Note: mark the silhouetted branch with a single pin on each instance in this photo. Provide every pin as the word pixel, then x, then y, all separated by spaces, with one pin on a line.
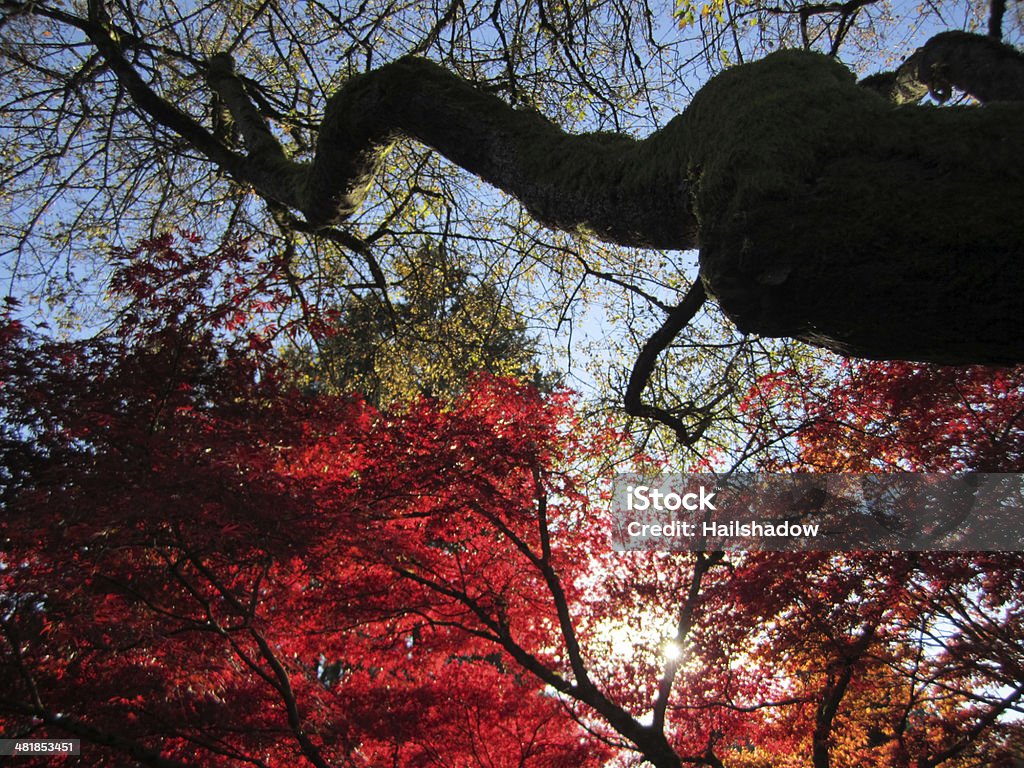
pixel 677 319
pixel 979 65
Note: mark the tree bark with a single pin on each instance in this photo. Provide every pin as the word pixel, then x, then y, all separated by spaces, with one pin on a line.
pixel 828 215
pixel 822 211
pixel 611 186
pixel 982 66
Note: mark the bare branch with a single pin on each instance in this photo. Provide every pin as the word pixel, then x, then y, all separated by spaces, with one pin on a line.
pixel 677 319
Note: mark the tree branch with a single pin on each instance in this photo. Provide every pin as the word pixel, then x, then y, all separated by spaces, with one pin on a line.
pixel 833 695
pixel 677 319
pixel 997 9
pixel 684 625
pixel 970 736
pixel 99 31
pixel 88 733
pixel 611 186
pixel 979 65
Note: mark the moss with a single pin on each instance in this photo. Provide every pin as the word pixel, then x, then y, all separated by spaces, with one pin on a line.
pixel 821 211
pixel 827 214
pixel 761 129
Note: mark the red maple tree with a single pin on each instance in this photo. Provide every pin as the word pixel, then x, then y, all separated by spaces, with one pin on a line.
pixel 885 416
pixel 203 566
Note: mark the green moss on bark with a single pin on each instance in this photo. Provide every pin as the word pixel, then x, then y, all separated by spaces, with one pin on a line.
pixel 829 215
pixel 822 212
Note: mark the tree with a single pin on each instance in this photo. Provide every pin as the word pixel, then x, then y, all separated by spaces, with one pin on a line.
pixel 446 327
pixel 782 195
pixel 214 581
pixel 203 567
pixel 726 176
pixel 892 417
pixel 900 417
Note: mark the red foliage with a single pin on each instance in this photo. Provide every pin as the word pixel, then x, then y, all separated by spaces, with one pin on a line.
pixel 922 418
pixel 883 416
pixel 905 642
pixel 203 567
pixel 209 567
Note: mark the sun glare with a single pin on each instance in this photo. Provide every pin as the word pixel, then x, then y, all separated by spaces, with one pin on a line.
pixel 673 651
pixel 616 640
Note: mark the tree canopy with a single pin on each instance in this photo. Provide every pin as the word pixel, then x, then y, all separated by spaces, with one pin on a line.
pixel 280 122
pixel 279 486
pixel 204 566
pixel 445 328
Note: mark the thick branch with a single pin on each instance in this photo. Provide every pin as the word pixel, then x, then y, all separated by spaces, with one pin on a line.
pixel 983 67
pixel 833 695
pixel 881 232
pixel 99 31
pixel 250 121
pixel 266 167
pixel 997 9
pixel 824 214
pixel 614 187
pixel 979 65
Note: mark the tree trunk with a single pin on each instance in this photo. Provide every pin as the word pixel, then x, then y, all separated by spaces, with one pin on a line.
pixel 828 215
pixel 822 211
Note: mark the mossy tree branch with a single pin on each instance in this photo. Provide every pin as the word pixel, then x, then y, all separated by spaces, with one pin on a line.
pixel 822 212
pixel 612 186
pixel 981 66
